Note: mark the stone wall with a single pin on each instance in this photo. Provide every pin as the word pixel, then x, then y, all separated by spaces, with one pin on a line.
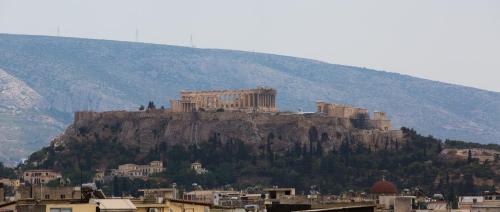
pixel 360 115
pixel 381 121
pixel 341 111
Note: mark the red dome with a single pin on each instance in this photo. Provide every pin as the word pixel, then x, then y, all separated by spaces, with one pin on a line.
pixel 383 187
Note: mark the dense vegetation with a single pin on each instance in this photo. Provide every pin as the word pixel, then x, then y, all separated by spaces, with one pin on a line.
pixel 415 164
pixel 467 145
pixel 6 172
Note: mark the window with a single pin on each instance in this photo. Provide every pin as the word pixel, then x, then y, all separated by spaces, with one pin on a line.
pixel 63 196
pixel 272 195
pixel 61 210
pixel 47 196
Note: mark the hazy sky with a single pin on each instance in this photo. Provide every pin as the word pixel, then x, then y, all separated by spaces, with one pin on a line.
pixel 452 41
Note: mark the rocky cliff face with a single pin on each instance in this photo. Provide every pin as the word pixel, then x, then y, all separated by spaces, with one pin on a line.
pixel 145 130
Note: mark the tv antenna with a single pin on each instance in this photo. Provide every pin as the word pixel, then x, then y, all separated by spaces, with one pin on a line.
pixel 192 42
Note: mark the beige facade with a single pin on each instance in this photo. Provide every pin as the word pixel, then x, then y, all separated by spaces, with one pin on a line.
pixel 381 121
pixel 99 176
pixel 171 205
pixel 214 197
pixel 278 193
pixel 259 99
pixel 403 204
pixel 10 182
pixel 198 168
pixel 133 170
pixel 114 205
pixel 341 111
pixel 482 155
pixel 154 193
pixel 74 205
pixel 40 176
pixel 49 193
pixel 66 207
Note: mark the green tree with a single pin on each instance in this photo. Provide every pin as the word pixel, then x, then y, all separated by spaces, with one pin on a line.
pixel 151 105
pixel 6 172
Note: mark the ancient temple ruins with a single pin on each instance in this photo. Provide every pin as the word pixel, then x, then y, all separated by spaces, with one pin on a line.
pixel 260 99
pixel 263 99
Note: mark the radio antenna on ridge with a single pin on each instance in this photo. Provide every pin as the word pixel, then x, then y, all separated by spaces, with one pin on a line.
pixel 192 42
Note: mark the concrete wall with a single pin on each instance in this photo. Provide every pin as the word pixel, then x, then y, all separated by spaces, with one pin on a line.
pixel 54 193
pixel 403 204
pixel 2 193
pixel 87 207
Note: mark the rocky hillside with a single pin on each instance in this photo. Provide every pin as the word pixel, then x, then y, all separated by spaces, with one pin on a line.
pixel 144 132
pixel 246 149
pixel 48 78
pixel 25 121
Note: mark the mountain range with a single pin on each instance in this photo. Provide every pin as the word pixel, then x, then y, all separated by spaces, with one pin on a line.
pixel 43 80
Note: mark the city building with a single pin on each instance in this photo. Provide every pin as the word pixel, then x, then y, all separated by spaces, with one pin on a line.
pixel 490 201
pixel 41 192
pixel 278 193
pixel 437 206
pixel 113 205
pixel 10 182
pixel 99 175
pixel 41 176
pixel 70 207
pixel 170 205
pixel 137 171
pixel 155 193
pixel 466 202
pixel 214 197
pixel 76 205
pixel 198 168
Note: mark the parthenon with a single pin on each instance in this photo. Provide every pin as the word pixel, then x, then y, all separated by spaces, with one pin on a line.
pixel 260 99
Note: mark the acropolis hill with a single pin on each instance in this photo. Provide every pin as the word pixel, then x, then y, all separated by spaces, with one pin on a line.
pixel 249 115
